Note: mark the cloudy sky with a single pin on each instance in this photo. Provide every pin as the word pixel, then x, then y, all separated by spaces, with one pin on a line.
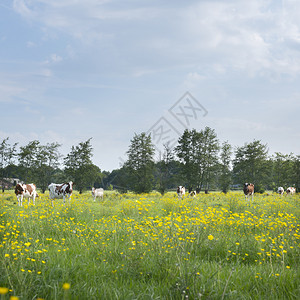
pixel 73 69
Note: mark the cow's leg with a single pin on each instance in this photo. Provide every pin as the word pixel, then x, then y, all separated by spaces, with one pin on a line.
pixel 33 199
pixel 64 199
pixel 21 200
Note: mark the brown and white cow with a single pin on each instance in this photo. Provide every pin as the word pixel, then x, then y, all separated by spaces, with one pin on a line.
pixel 290 190
pixel 248 190
pixel 180 191
pixel 58 191
pixel 26 191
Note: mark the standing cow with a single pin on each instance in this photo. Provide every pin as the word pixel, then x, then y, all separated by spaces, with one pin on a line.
pixel 248 190
pixel 27 191
pixel 58 191
pixel 97 193
pixel 180 191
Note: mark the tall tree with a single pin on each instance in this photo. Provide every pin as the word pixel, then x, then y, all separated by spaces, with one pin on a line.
pixel 140 163
pixel 28 160
pixel 184 152
pixel 47 161
pixel 198 153
pixel 165 169
pixel 296 173
pixel 7 155
pixel 79 166
pixel 251 165
pixel 283 165
pixel 225 172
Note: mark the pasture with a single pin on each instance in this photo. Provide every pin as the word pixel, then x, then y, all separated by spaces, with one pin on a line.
pixel 150 246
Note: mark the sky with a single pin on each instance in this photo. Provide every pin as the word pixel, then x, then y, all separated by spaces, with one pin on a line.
pixel 71 70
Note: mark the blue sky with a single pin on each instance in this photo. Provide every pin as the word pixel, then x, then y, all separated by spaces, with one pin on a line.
pixel 71 70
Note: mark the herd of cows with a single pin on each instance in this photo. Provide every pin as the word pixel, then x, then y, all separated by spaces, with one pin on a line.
pixel 248 191
pixel 64 190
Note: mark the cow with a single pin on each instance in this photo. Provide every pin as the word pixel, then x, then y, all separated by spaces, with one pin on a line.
pixel 290 190
pixel 280 190
pixel 193 193
pixel 248 190
pixel 180 191
pixel 58 191
pixel 27 191
pixel 97 193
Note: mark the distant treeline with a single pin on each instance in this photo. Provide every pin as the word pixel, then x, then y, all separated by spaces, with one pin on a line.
pixel 199 161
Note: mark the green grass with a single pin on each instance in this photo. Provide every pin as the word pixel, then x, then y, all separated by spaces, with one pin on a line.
pixel 131 246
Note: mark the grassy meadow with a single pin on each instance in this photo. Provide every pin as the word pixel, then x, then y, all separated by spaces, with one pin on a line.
pixel 150 246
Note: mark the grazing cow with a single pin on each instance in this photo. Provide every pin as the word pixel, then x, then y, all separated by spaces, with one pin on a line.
pixel 58 191
pixel 193 193
pixel 248 190
pixel 27 191
pixel 97 193
pixel 180 191
pixel 280 190
pixel 290 190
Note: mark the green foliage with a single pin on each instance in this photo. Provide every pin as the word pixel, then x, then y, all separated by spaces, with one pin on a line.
pixel 284 167
pixel 198 153
pixel 79 167
pixel 140 163
pixel 251 163
pixel 225 172
pixel 166 171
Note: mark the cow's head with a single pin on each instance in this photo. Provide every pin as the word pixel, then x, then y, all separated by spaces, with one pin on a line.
pixel 19 189
pixel 69 188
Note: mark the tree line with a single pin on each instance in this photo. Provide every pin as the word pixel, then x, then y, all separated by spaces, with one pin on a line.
pixel 199 162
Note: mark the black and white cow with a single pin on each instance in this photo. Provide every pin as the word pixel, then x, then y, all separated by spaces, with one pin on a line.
pixel 58 191
pixel 180 191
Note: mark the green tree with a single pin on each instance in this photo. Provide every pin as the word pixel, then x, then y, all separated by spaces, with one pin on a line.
pixel 184 152
pixel 7 155
pixel 165 170
pixel 283 165
pixel 198 153
pixel 225 172
pixel 140 163
pixel 251 165
pixel 28 157
pixel 46 164
pixel 296 173
pixel 79 167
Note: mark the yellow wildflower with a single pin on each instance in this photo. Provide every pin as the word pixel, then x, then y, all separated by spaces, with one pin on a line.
pixel 3 290
pixel 66 286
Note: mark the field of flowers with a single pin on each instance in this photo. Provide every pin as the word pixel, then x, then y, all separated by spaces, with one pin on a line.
pixel 150 246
